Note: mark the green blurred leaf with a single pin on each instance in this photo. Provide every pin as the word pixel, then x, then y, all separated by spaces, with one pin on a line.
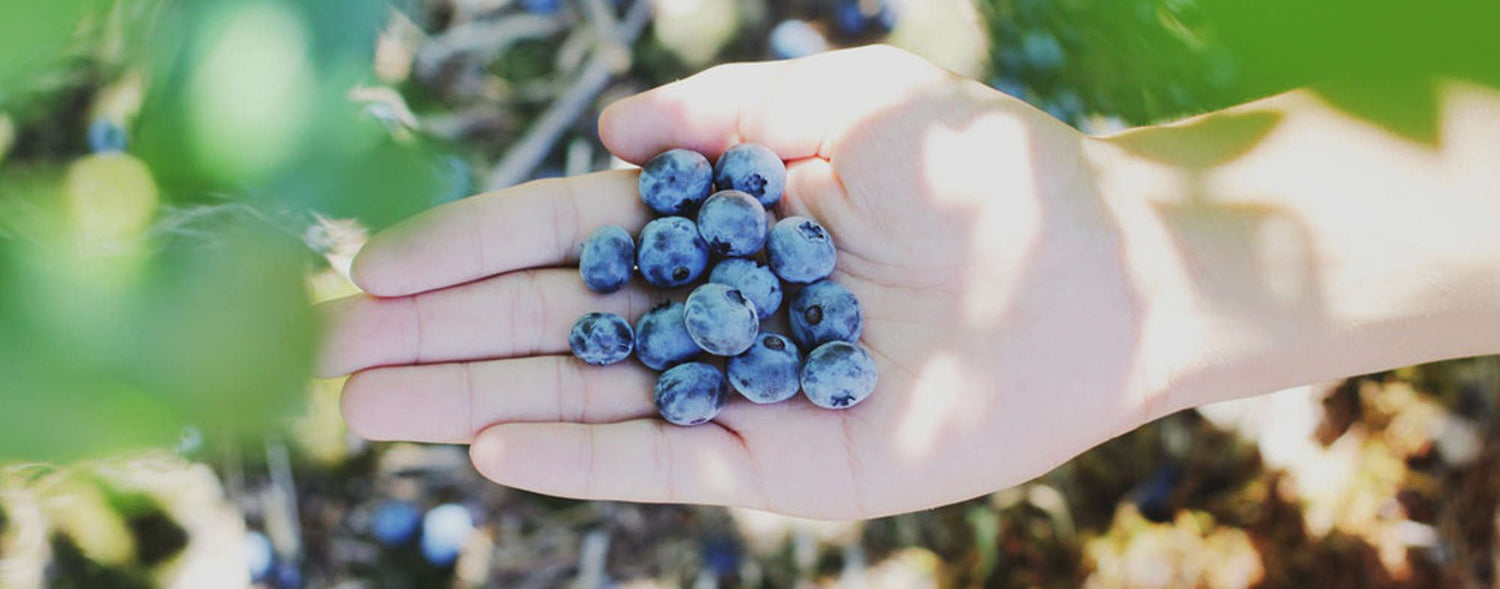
pixel 227 331
pixel 106 356
pixel 35 36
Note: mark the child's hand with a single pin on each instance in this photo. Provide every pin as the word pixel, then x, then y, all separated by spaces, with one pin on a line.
pixel 995 290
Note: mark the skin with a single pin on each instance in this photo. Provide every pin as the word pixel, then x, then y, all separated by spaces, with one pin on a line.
pixel 1029 292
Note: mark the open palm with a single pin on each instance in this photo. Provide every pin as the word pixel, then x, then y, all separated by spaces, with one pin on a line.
pixel 996 298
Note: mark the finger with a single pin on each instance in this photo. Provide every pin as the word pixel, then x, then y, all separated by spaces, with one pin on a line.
pixel 639 460
pixel 794 107
pixel 516 314
pixel 450 403
pixel 811 187
pixel 535 224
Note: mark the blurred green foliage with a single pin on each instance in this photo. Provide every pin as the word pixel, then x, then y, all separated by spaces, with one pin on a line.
pixel 1146 61
pixel 146 291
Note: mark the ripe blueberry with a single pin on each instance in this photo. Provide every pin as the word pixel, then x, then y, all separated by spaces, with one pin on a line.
pixel 754 169
pixel 800 250
pixel 106 136
pixel 768 372
pixel 720 319
pixel 675 182
pixel 691 393
pixel 671 253
pixel 733 223
pixel 753 279
pixel 823 312
pixel 542 6
pixel 838 375
pixel 259 555
pixel 607 259
pixel 661 338
pixel 395 522
pixel 601 338
pixel 445 532
pixel 794 38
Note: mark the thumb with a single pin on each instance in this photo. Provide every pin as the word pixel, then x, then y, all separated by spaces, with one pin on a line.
pixel 796 107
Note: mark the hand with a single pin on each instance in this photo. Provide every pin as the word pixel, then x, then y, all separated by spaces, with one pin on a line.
pixel 997 304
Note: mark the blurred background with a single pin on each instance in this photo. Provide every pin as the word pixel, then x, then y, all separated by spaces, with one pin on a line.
pixel 181 179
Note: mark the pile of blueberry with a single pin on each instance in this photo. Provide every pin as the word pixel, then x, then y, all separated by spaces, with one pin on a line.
pixel 724 236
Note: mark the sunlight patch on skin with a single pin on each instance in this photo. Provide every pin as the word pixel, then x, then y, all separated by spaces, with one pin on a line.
pixel 1155 266
pixel 713 467
pixel 1285 261
pixel 1001 233
pixel 1317 152
pixel 940 386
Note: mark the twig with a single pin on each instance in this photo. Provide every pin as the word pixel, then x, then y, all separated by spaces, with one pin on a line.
pixel 533 147
pixel 483 37
pixel 282 503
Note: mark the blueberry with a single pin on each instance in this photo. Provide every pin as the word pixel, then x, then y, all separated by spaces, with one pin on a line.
pixel 1154 496
pixel 800 250
pixel 671 253
pixel 824 312
pixel 259 555
pixel 661 338
pixel 733 223
pixel 288 575
pixel 753 279
pixel 541 6
pixel 754 169
pixel 855 17
pixel 690 394
pixel 849 18
pixel 1042 51
pixel 794 38
pixel 720 319
pixel 601 338
pixel 768 371
pixel 445 531
pixel 838 375
pixel 675 182
pixel 395 522
pixel 105 136
pixel 607 259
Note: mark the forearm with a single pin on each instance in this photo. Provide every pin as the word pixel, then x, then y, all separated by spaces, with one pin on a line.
pixel 1284 242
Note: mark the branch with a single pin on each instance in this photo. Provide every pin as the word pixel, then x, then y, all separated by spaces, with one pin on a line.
pixel 532 148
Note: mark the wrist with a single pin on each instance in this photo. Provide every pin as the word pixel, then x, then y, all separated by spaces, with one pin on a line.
pixel 1284 242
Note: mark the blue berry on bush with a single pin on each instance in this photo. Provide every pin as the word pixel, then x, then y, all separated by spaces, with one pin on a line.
pixel 753 279
pixel 259 555
pixel 395 522
pixel 838 375
pixel 661 338
pixel 445 530
pixel 794 38
pixel 721 319
pixel 106 136
pixel 823 312
pixel 601 338
pixel 608 258
pixel 675 182
pixel 800 250
pixel 542 6
pixel 691 393
pixel 754 169
pixel 768 372
pixel 671 253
